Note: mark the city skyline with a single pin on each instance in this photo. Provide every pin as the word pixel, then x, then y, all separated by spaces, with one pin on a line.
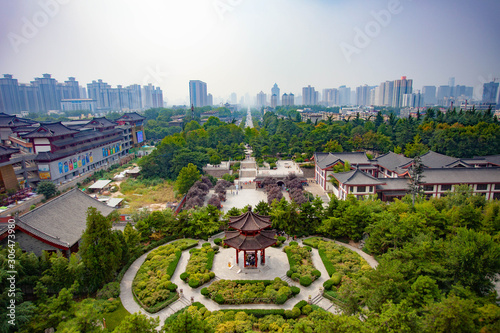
pixel 221 42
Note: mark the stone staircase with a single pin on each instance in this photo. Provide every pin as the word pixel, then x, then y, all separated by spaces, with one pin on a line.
pixel 316 299
pixel 288 280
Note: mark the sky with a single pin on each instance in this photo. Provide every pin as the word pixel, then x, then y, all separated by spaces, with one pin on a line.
pixel 245 46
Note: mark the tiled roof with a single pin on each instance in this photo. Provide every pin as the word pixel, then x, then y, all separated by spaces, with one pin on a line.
pixel 63 218
pixel 249 221
pixel 131 116
pixel 325 160
pixel 392 161
pixel 13 121
pixel 435 160
pixel 394 184
pixel 8 151
pixel 101 122
pixel 48 130
pixel 241 242
pixel 357 177
pixel 461 176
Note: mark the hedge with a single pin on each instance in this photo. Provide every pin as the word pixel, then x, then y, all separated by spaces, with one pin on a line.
pixel 305 272
pixel 328 264
pixel 259 313
pixel 199 266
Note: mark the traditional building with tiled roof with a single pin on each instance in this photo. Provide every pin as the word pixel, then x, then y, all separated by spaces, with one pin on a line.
pixel 56 225
pixel 250 233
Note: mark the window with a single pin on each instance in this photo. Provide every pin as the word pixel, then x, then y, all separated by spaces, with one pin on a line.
pixel 445 187
pixel 371 189
pixel 496 196
pixel 497 186
pixel 361 188
pixel 481 187
pixel 428 187
pixel 389 173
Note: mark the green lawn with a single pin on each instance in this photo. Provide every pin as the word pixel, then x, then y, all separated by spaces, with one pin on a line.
pixel 114 318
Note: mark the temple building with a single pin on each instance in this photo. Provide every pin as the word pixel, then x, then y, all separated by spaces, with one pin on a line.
pixel 250 233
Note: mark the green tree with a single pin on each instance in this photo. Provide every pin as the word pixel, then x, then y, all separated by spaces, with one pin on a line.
pixel 136 323
pixel 452 314
pixel 47 188
pixel 187 322
pixel 100 250
pixel 215 159
pixel 187 177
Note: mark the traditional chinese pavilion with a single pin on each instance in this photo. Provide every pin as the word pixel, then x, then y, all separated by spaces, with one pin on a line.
pixel 250 233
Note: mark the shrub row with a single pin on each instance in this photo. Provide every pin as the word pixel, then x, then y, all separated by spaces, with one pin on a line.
pixel 152 285
pixel 199 266
pixel 305 272
pixel 248 291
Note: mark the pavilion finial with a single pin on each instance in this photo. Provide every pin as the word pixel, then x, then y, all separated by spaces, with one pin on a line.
pixel 249 208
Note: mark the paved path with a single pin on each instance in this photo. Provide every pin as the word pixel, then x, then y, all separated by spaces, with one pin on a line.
pixel 277 265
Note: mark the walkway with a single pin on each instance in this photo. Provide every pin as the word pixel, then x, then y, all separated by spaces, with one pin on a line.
pixel 277 265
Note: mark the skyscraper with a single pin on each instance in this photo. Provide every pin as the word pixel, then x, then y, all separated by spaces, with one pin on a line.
pixel 47 93
pixel 261 99
pixel 309 96
pixel 98 91
pixel 344 95
pixel 330 97
pixel 443 95
pixel 401 87
pixel 198 93
pixel 9 95
pixel 288 99
pixel 429 93
pixel 490 91
pixel 233 99
pixel 210 99
pixel 275 91
pixel 363 95
pixel 274 100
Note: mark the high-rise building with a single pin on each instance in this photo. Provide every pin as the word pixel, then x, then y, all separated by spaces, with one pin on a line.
pixel 309 96
pixel 363 95
pixel 344 95
pixel 429 93
pixel 261 99
pixel 451 83
pixel 158 98
pixel 413 100
pixel 444 95
pixel 210 100
pixel 147 96
pixel 72 90
pixel 288 99
pixel 99 92
pixel 135 97
pixel 274 101
pixel 388 93
pixel 275 90
pixel 198 93
pixel 330 97
pixel 233 98
pixel 9 95
pixel 28 98
pixel 401 87
pixel 47 93
pixel 490 91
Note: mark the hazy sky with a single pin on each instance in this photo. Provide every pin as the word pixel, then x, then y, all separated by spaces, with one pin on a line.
pixel 245 46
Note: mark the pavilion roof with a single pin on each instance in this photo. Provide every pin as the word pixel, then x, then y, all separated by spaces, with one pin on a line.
pixel 259 241
pixel 249 221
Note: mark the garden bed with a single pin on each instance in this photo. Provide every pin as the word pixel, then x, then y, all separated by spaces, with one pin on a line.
pixel 301 266
pixel 274 291
pixel 339 261
pixel 152 287
pixel 199 266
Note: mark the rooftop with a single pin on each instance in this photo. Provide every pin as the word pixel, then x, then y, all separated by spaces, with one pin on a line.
pixel 357 177
pixel 249 221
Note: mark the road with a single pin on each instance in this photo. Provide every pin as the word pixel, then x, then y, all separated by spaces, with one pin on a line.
pixel 249 122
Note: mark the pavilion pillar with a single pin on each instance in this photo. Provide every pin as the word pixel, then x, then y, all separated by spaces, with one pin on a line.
pixel 263 256
pixel 237 257
pixel 256 261
pixel 244 258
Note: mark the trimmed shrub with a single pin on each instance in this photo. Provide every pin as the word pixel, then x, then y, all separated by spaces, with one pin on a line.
pixel 211 275
pixel 184 276
pixel 281 298
pixel 292 314
pixel 219 299
pixel 293 243
pixel 336 278
pixel 216 248
pixel 282 239
pixel 206 245
pixel 295 276
pixel 305 281
pixel 316 273
pixel 172 287
pixel 300 304
pixel 289 273
pixel 217 241
pixel 306 309
pixel 328 284
pixel 295 290
pixel 194 283
pixel 205 292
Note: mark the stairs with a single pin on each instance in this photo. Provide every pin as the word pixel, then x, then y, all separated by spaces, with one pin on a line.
pixel 317 299
pixel 288 280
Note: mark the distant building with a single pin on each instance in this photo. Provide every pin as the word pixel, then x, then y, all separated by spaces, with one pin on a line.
pixel 9 95
pixel 401 87
pixel 275 90
pixel 444 95
pixel 490 92
pixel 274 101
pixel 330 97
pixel 261 99
pixel 429 93
pixel 198 93
pixel 309 96
pixel 210 99
pixel 233 98
pixel 84 104
pixel 414 100
pixel 363 95
pixel 344 95
pixel 288 99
